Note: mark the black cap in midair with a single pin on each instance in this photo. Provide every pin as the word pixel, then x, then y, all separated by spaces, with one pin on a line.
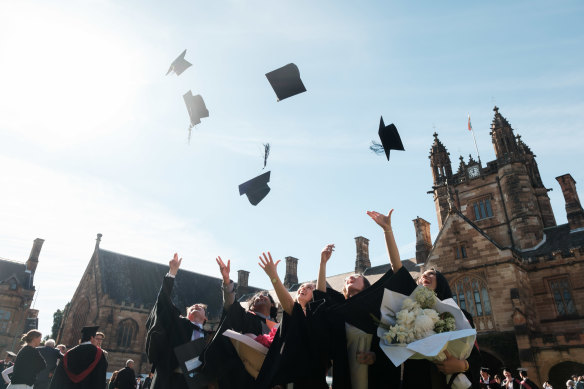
pixel 389 138
pixel 179 65
pixel 256 188
pixel 196 107
pixel 286 81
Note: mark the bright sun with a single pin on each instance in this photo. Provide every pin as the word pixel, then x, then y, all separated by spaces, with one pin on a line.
pixel 64 79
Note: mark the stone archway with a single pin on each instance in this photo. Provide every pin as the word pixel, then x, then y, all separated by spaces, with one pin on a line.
pixel 492 362
pixel 561 372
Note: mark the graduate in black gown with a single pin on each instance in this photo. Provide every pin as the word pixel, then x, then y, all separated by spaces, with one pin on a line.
pixel 220 359
pixel 167 329
pixel 82 367
pixel 295 354
pixel 423 373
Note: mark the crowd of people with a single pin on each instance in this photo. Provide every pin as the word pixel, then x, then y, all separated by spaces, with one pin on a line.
pixel 322 333
pixel 48 366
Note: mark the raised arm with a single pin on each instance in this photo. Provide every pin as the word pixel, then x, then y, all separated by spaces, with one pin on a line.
pixel 268 265
pixel 325 255
pixel 228 286
pixel 384 221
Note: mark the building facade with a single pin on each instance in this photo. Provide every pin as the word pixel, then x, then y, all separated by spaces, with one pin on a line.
pixel 117 292
pixel 17 292
pixel 508 263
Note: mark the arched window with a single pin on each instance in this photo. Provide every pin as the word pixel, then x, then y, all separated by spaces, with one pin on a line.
pixel 471 294
pixel 127 330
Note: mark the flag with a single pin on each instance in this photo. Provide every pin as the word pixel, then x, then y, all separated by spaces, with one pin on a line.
pixel 469 125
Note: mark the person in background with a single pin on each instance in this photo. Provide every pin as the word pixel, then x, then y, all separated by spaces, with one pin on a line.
pixel 486 382
pixel 570 384
pixel 62 348
pixel 112 380
pixel 526 382
pixel 51 356
pixel 28 363
pixel 139 382
pixel 580 382
pixel 5 364
pixel 510 382
pixel 126 377
pixel 147 381
pixel 546 385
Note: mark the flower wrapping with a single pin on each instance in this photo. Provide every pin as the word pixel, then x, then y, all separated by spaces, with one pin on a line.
pixel 459 343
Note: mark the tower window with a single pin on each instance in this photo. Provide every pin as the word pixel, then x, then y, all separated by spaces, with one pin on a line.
pixel 4 320
pixel 471 294
pixel 562 295
pixel 482 209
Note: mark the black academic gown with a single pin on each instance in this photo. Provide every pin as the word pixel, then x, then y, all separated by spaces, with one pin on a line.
pixel 296 354
pixel 126 379
pixel 3 366
pixel 51 356
pixel 357 311
pixel 220 360
pixel 528 384
pixel 79 360
pixel 167 329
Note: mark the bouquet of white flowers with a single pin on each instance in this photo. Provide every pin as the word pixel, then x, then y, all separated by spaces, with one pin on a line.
pixel 423 328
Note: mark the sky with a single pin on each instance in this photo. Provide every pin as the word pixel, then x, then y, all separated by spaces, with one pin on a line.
pixel 93 135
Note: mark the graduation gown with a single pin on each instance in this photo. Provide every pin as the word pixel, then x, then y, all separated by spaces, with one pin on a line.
pixel 220 360
pixel 357 311
pixel 296 354
pixel 167 329
pixel 528 384
pixel 82 367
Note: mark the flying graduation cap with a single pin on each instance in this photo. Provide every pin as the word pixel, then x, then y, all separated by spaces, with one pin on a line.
pixel 286 81
pixel 179 65
pixel 389 138
pixel 197 109
pixel 256 188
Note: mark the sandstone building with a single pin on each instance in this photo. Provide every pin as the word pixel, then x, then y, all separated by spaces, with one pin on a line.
pixel 16 297
pixel 117 293
pixel 509 264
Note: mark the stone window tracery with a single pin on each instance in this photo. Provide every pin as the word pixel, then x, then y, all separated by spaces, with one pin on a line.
pixel 562 296
pixel 482 208
pixel 4 320
pixel 472 295
pixel 127 330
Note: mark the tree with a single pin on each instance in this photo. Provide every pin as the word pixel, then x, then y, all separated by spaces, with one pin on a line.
pixel 57 320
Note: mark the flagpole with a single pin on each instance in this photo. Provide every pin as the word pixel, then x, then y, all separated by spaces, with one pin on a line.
pixel 474 138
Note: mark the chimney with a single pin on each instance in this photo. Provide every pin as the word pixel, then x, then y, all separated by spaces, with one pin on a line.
pixel 291 277
pixel 98 241
pixel 362 261
pixel 242 278
pixel 574 209
pixel 423 239
pixel 33 258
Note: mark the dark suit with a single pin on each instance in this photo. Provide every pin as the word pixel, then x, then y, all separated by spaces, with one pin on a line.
pixel 51 356
pixel 3 366
pixel 167 329
pixel 126 379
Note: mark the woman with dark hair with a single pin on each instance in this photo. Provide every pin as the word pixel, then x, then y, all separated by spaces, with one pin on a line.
pixel 294 355
pixel 28 363
pixel 111 384
pixel 423 373
pixel 358 361
pixel 510 382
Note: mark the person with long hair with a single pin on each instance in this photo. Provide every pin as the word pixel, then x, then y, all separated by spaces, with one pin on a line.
pixel 28 363
pixel 352 319
pixel 422 373
pixel 294 355
pixel 112 380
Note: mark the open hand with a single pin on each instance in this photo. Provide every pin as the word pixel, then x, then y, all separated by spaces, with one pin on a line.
pixel 382 220
pixel 326 253
pixel 224 269
pixel 174 264
pixel 267 263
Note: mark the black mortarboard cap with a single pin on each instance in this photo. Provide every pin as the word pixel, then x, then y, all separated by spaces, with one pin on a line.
pixel 196 107
pixel 256 188
pixel 179 65
pixel 389 138
pixel 286 81
pixel 485 369
pixel 11 353
pixel 522 369
pixel 89 331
